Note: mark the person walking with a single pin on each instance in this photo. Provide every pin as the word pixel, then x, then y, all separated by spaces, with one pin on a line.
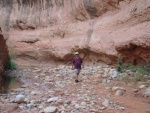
pixel 77 62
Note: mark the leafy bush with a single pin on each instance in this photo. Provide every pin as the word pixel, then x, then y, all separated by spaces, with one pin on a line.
pixel 10 64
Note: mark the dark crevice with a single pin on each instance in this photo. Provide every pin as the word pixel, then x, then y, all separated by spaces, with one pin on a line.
pixel 31 41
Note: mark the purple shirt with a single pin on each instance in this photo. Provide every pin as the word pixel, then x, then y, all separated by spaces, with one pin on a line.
pixel 77 62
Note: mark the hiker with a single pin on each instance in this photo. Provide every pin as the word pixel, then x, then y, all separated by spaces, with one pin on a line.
pixel 77 62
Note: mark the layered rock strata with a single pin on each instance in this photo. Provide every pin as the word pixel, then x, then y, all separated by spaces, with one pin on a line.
pixel 102 30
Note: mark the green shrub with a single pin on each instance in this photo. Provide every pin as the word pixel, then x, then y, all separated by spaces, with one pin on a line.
pixel 119 66
pixel 141 72
pixel 10 64
pixel 144 69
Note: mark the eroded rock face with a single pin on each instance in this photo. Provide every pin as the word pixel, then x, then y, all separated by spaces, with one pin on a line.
pixel 100 30
pixel 3 53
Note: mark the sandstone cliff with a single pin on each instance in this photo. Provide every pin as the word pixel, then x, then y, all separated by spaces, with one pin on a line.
pixel 3 53
pixel 102 30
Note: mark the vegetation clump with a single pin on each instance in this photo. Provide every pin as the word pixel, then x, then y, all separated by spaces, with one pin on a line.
pixel 10 64
pixel 134 74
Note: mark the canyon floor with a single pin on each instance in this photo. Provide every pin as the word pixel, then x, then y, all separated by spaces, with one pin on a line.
pixel 52 89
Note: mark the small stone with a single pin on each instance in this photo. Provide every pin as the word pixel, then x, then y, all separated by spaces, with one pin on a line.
pixel 41 111
pixel 83 104
pixel 24 112
pixel 26 100
pixel 30 106
pixel 40 107
pixel 77 106
pixel 60 101
pixel 24 86
pixel 135 90
pixel 52 99
pixel 50 109
pixel 102 108
pixel 105 75
pixel 108 81
pixel 147 93
pixel 115 74
pixel 95 111
pixel 106 103
pixel 67 102
pixel 142 86
pixel 108 89
pixel 119 92
pixel 104 82
pixel 37 70
pixel 122 108
pixel 21 107
pixel 20 99
pixel 33 93
pixel 118 88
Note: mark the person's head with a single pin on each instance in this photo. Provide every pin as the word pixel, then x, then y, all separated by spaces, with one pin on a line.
pixel 77 54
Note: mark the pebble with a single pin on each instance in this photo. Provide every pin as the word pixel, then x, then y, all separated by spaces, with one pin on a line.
pixel 54 99
pixel 20 99
pixel 21 107
pixel 119 92
pixel 115 74
pixel 117 88
pixel 142 86
pixel 50 109
pixel 147 93
pixel 104 82
pixel 30 106
pixel 106 103
pixel 135 90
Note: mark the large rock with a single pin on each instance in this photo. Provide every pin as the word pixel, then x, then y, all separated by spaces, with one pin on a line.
pixel 103 30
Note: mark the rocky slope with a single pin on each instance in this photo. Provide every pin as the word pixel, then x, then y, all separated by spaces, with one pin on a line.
pixel 53 90
pixel 3 53
pixel 102 30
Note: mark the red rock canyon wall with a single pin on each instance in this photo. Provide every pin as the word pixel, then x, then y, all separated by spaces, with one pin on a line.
pixel 102 30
